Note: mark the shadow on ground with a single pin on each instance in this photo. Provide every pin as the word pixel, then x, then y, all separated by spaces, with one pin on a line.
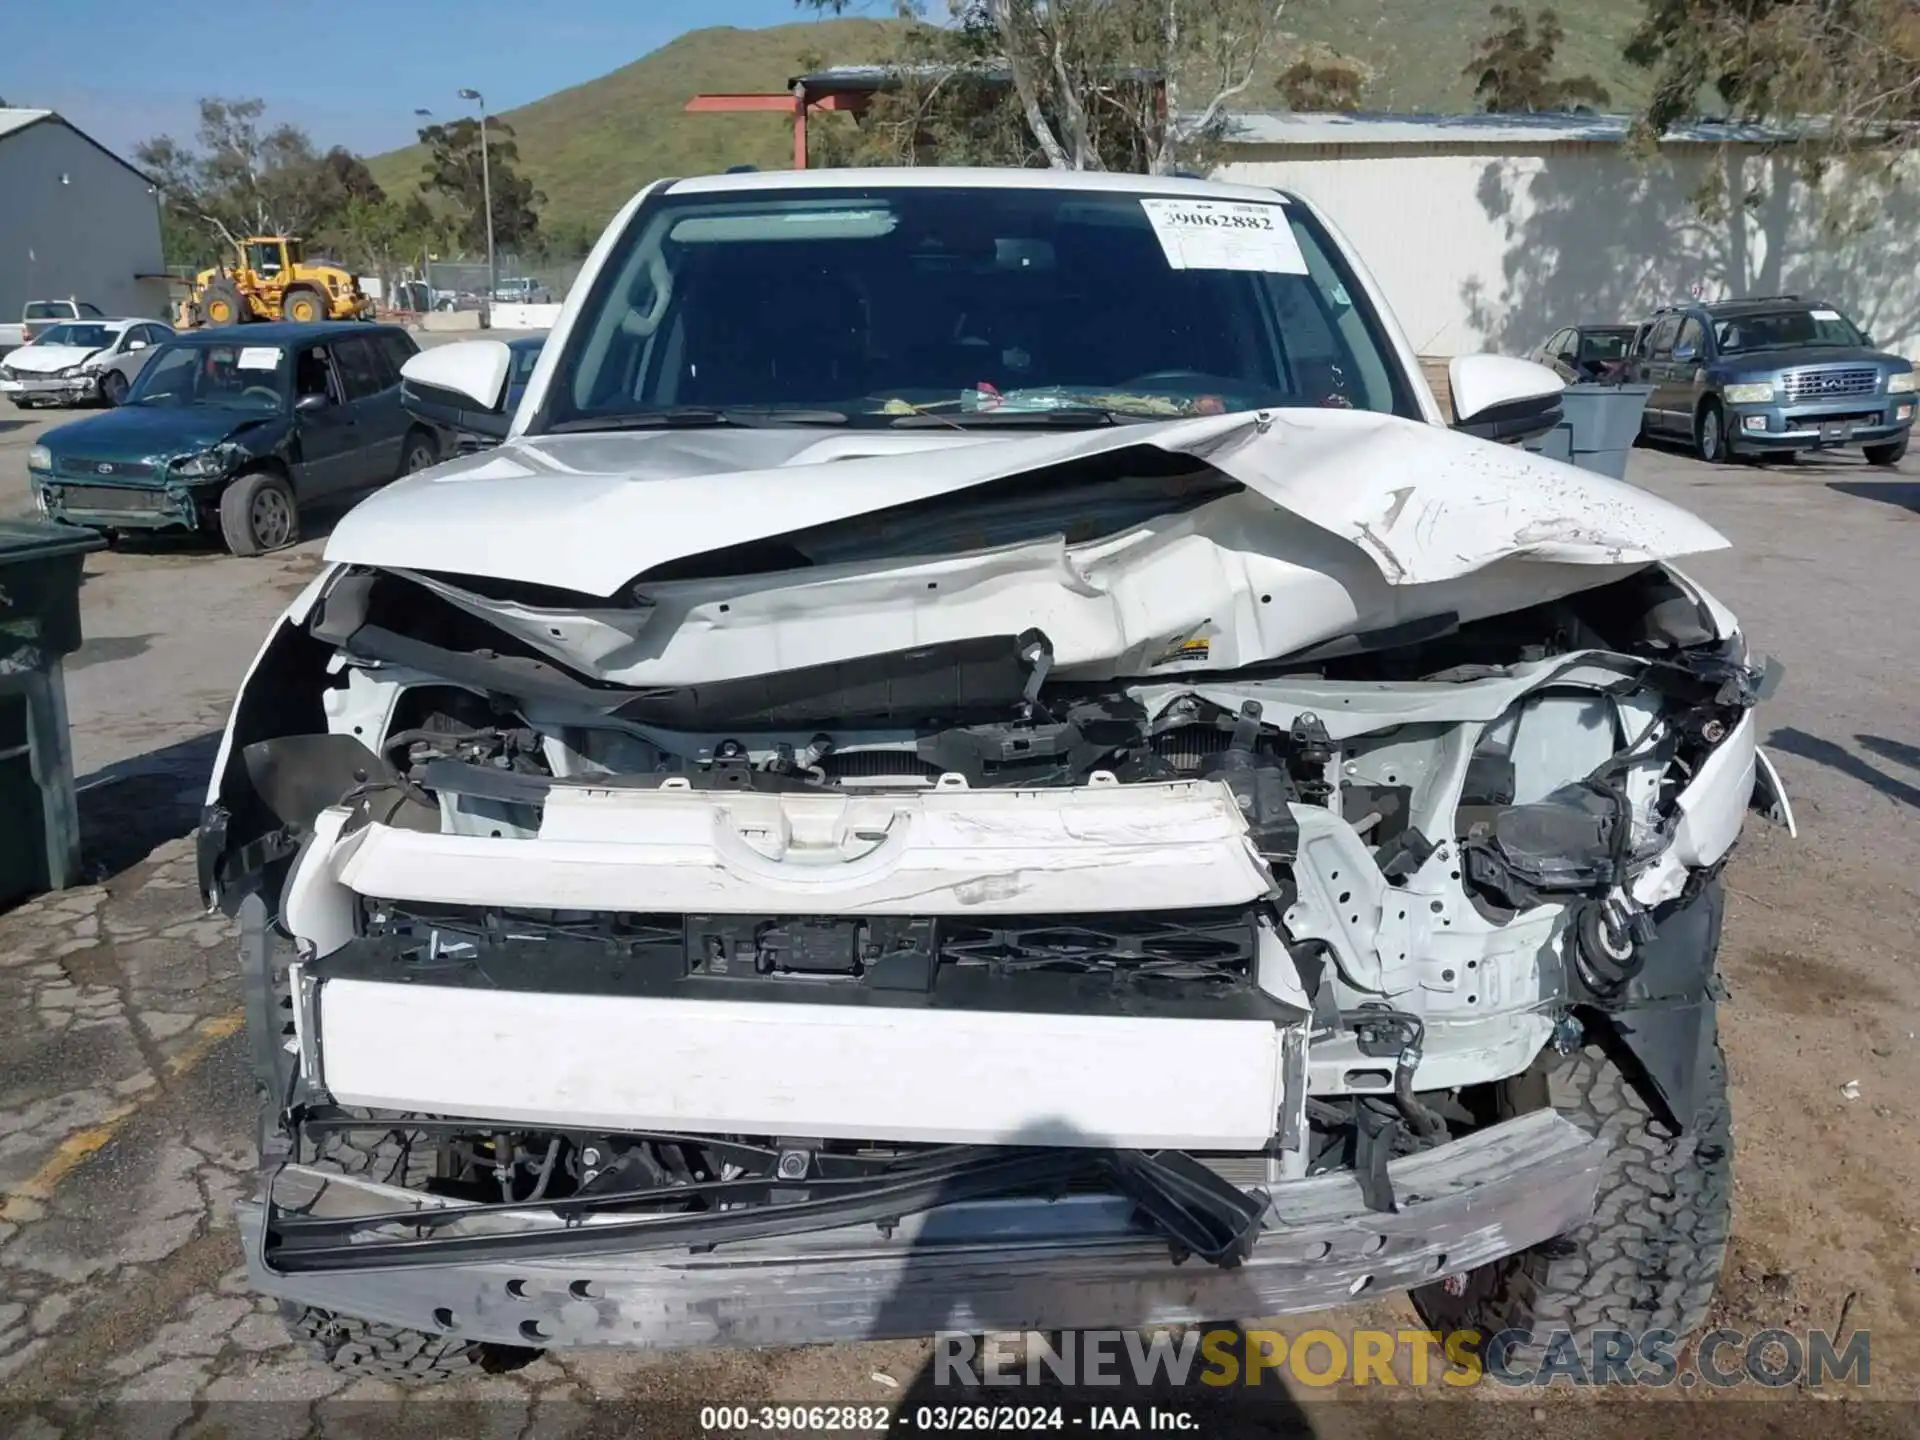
pixel 1903 493
pixel 1839 758
pixel 130 808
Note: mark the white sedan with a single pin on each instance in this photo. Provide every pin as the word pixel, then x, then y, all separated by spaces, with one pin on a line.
pixel 81 360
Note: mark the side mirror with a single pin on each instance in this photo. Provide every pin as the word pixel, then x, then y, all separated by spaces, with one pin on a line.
pixel 460 387
pixel 1499 398
pixel 307 404
pixel 136 344
pixel 1682 354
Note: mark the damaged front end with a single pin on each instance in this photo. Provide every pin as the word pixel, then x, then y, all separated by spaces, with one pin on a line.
pixel 1094 886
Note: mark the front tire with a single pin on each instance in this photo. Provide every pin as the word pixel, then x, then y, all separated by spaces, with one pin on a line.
pixel 1710 439
pixel 1650 1257
pixel 374 1349
pixel 258 513
pixel 1892 453
pixel 113 388
pixel 223 304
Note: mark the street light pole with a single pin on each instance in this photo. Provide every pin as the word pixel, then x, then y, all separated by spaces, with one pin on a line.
pixel 486 193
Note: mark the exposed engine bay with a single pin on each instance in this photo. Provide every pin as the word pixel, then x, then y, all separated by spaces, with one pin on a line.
pixel 780 948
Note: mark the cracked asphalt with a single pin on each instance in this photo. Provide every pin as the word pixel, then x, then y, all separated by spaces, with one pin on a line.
pixel 126 1114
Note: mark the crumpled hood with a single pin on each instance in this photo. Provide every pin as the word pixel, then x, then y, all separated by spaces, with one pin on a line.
pixel 139 431
pixel 45 359
pixel 587 513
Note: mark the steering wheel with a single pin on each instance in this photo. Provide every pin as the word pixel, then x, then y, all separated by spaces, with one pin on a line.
pixel 272 396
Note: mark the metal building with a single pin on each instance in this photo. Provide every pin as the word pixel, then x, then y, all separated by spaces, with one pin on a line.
pixel 75 221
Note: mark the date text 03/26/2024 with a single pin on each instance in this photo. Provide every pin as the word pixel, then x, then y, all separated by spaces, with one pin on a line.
pixel 964 1419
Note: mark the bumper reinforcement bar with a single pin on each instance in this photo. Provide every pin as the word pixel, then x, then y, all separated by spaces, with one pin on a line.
pixel 1199 1213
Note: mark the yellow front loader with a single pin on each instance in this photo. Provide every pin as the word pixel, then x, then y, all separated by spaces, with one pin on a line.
pixel 273 280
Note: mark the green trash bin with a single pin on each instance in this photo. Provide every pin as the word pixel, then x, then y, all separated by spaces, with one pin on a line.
pixel 40 566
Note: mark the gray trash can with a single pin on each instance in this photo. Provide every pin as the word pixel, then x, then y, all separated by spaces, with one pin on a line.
pixel 40 567
pixel 1598 427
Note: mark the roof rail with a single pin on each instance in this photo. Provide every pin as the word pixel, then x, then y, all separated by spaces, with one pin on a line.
pixel 742 169
pixel 1754 299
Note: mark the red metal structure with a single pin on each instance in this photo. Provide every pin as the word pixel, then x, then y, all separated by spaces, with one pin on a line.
pixel 849 90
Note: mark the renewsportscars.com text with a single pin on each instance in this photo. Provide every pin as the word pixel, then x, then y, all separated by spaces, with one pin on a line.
pixel 1228 1356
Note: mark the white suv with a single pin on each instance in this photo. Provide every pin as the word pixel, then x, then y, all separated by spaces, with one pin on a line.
pixel 980 756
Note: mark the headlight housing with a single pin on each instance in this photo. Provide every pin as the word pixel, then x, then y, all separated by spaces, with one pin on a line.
pixel 204 466
pixel 40 458
pixel 1757 393
pixel 1900 383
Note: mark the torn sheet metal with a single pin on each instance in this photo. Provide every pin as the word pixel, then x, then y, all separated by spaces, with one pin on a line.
pixel 588 513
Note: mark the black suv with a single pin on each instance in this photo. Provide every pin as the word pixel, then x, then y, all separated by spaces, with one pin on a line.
pixel 1771 375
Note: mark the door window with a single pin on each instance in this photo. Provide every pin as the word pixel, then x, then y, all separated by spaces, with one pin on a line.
pixel 1660 342
pixel 1693 337
pixel 398 349
pixel 361 369
pixel 313 375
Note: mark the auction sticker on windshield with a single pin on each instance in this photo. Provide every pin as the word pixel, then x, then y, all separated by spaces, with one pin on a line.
pixel 258 357
pixel 1225 235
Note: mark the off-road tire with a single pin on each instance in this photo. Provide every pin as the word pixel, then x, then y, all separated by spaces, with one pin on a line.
pixel 224 295
pixel 1712 441
pixel 373 1348
pixel 1892 453
pixel 1650 1257
pixel 304 297
pixel 243 525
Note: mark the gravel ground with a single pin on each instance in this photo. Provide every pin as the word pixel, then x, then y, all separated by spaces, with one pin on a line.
pixel 125 1113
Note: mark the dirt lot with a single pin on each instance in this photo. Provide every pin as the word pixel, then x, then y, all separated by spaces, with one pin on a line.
pixel 124 1110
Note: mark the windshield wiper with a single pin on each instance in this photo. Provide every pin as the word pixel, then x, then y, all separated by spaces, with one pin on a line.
pixel 695 417
pixel 1076 417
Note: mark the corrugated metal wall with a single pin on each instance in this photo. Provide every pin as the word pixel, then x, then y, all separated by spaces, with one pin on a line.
pixel 1488 249
pixel 74 222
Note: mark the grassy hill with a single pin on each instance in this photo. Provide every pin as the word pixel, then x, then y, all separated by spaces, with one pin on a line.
pixel 590 147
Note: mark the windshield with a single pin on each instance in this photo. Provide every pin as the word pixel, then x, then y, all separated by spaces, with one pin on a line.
pixel 88 337
pixel 1786 330
pixel 1605 344
pixel 941 304
pixel 233 377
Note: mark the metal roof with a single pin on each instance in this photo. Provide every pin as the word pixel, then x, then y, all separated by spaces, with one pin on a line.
pixel 16 119
pixel 881 77
pixel 13 120
pixel 1297 128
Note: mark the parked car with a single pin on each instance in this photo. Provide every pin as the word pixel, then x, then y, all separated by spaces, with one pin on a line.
pixel 78 361
pixel 37 315
pixel 233 432
pixel 981 754
pixel 1581 354
pixel 1772 376
pixel 523 290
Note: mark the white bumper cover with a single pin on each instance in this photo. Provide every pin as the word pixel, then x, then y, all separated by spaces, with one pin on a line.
pixel 833 1071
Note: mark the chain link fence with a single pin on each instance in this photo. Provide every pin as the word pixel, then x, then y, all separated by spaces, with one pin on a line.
pixel 462 284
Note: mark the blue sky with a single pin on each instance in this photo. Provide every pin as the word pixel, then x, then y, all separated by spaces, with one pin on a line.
pixel 123 70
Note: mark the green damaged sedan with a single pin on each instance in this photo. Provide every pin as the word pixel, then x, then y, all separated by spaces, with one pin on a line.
pixel 237 431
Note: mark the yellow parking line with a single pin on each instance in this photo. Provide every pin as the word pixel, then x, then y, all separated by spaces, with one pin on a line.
pixel 24 1201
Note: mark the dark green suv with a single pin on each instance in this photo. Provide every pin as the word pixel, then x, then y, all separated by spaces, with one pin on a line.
pixel 234 431
pixel 1771 376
